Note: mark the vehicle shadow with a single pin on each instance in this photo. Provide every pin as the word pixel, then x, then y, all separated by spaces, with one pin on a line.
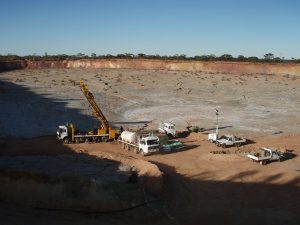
pixel 289 154
pixel 249 142
pixel 183 134
pixel 130 122
pixel 214 128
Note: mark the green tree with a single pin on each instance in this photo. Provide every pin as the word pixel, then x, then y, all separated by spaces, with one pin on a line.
pixel 252 59
pixel 241 58
pixel 269 56
pixel 141 55
pixel 226 57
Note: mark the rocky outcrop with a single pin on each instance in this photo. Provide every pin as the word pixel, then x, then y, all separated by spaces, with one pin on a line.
pixel 221 67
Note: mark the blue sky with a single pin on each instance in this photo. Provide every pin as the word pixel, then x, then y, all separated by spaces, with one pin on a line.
pixel 165 27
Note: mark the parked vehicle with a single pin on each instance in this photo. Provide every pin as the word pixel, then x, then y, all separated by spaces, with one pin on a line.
pixel 141 143
pixel 266 155
pixel 230 140
pixel 167 128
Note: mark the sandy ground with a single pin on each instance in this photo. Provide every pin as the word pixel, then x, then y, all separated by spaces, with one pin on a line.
pixel 199 187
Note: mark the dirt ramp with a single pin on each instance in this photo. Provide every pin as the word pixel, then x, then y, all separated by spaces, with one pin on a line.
pixel 73 182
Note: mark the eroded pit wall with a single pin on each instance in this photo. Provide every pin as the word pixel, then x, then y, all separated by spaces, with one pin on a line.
pixel 221 67
pixel 12 65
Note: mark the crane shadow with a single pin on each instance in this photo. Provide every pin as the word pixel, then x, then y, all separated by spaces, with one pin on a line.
pixel 210 129
pixel 129 122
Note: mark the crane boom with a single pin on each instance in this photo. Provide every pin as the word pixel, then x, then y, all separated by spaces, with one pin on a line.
pixel 96 110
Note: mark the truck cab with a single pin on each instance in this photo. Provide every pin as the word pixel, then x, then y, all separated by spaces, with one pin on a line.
pixel 167 128
pixel 148 144
pixel 64 133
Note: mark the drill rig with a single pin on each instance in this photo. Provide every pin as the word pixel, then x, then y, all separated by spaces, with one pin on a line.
pixel 104 132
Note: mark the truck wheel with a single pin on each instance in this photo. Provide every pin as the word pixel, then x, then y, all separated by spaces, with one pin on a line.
pixel 263 162
pixel 143 153
pixel 237 144
pixel 136 150
pixel 170 136
pixel 77 140
pixel 66 141
pixel 127 147
pixel 224 145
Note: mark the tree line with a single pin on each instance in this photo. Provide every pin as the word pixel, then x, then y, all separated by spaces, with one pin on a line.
pixel 268 57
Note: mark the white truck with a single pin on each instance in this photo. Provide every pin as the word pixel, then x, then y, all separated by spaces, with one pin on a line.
pixel 230 140
pixel 266 155
pixel 141 143
pixel 167 128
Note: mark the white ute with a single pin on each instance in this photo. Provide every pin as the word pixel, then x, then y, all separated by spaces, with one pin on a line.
pixel 141 143
pixel 167 128
pixel 266 155
pixel 230 140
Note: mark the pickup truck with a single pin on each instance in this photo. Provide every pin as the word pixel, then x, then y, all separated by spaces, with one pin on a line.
pixel 230 140
pixel 266 155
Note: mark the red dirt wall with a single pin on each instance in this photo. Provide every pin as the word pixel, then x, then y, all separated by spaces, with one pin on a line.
pixel 222 67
